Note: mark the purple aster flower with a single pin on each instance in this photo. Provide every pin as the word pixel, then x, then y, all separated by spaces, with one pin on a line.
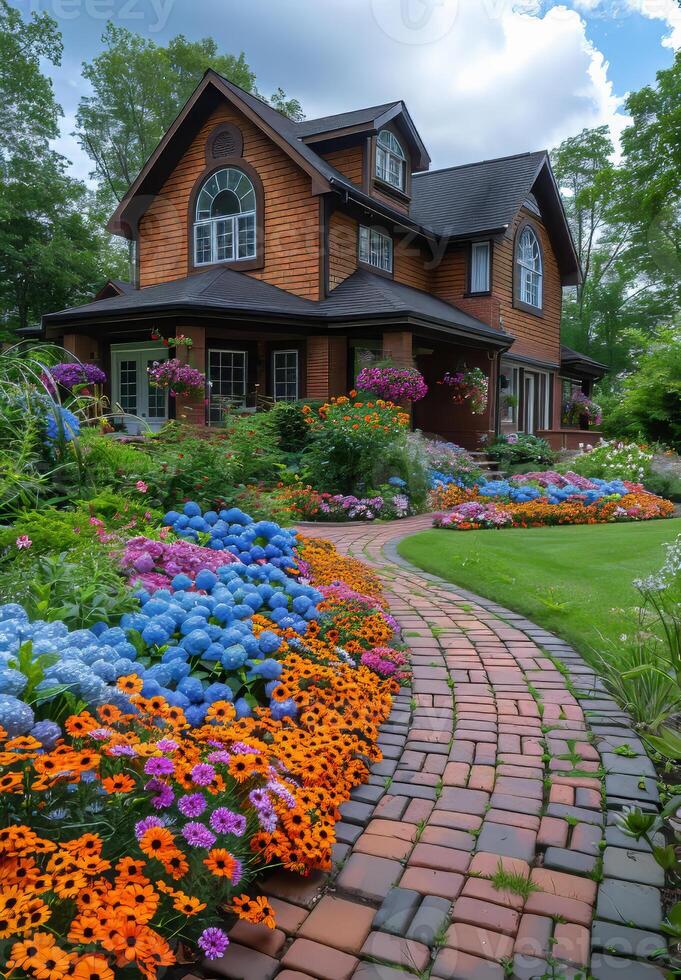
pixel 221 756
pixel 163 798
pixel 214 943
pixel 274 786
pixel 240 748
pixel 143 825
pixel 203 774
pixel 192 805
pixel 259 799
pixel 101 733
pixel 166 745
pixel 224 821
pixel 267 820
pixel 158 766
pixel 118 750
pixel 197 835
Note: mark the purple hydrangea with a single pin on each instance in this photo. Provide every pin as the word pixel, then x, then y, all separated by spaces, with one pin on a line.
pixel 192 805
pixel 159 766
pixel 224 821
pixel 203 774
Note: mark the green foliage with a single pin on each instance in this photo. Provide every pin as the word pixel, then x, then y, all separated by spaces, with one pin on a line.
pixel 664 485
pixel 614 461
pixel 138 87
pixel 290 426
pixel 81 586
pixel 351 444
pixel 526 449
pixel 647 401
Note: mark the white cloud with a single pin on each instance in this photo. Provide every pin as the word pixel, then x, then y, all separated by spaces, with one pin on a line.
pixel 667 10
pixel 482 78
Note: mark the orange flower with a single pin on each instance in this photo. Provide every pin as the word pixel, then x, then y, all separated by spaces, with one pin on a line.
pixel 92 967
pixel 157 842
pixel 222 864
pixel 28 954
pixel 119 784
pixel 187 904
pixel 81 724
pixel 254 910
pixel 130 683
pixel 69 885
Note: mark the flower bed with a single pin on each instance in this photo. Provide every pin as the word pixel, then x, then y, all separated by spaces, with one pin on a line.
pixel 473 513
pixel 227 719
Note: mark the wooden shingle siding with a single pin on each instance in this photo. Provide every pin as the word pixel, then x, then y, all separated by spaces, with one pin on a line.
pixel 536 336
pixel 409 265
pixel 349 161
pixel 342 245
pixel 292 239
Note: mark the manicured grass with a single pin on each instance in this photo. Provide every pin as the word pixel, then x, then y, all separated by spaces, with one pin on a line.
pixel 575 581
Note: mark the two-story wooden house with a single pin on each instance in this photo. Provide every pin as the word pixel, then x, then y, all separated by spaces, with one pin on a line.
pixel 293 252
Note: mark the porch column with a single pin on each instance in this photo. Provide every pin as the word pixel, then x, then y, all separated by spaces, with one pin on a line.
pixel 192 408
pixel 85 348
pixel 397 345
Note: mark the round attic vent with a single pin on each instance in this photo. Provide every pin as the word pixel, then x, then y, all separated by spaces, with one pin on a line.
pixel 225 141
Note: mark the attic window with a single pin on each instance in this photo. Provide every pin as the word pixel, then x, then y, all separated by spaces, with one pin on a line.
pixel 530 273
pixel 390 159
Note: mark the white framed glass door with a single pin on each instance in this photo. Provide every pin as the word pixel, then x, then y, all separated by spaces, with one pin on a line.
pixel 144 407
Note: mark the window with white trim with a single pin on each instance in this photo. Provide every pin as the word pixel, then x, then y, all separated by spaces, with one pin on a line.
pixel 530 273
pixel 224 226
pixel 375 248
pixel 285 375
pixel 391 161
pixel 227 374
pixel 479 267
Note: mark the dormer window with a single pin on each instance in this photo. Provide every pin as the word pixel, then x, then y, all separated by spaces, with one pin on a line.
pixel 224 226
pixel 529 269
pixel 375 249
pixel 391 161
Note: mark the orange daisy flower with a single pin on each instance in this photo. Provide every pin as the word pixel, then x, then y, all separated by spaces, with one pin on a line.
pixel 92 967
pixel 119 784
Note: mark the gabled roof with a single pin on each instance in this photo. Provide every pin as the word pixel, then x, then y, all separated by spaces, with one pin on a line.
pixel 343 120
pixel 368 120
pixel 280 128
pixel 484 198
pixel 362 296
pixel 114 287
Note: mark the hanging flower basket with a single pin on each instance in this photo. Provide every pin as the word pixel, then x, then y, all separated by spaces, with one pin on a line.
pixel 581 410
pixel 73 376
pixel 469 387
pixel 393 384
pixel 178 378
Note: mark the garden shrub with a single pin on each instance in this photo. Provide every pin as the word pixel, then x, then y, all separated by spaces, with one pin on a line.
pixel 521 448
pixel 446 462
pixel 614 461
pixel 79 587
pixel 664 485
pixel 289 424
pixel 349 444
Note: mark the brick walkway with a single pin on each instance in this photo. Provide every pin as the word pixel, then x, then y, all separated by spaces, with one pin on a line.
pixel 477 847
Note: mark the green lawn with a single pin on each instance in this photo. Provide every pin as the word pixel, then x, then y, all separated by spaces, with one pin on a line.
pixel 575 581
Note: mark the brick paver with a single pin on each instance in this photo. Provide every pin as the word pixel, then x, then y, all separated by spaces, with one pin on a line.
pixel 475 849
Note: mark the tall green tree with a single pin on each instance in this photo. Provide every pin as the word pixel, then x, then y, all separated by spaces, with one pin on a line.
pixel 138 87
pixel 29 114
pixel 52 252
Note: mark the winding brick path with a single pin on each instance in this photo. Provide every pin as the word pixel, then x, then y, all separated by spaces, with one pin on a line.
pixel 484 844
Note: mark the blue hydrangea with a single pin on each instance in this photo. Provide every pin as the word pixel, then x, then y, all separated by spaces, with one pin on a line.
pixel 47 733
pixel 16 717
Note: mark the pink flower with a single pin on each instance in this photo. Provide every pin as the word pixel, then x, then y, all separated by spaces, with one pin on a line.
pixel 141 486
pixel 23 541
pixel 95 521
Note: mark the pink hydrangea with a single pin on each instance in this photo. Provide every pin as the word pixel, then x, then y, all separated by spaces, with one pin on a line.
pixel 393 384
pixel 154 564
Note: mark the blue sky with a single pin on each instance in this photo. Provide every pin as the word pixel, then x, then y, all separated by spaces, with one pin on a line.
pixel 482 78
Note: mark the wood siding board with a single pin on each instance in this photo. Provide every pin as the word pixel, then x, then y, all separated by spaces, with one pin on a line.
pixel 291 214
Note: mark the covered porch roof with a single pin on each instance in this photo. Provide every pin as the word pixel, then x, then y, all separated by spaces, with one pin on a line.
pixel 363 299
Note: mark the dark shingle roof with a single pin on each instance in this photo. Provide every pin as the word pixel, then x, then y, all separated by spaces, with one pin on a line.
pixel 342 120
pixel 361 295
pixel 366 294
pixel 572 358
pixel 476 197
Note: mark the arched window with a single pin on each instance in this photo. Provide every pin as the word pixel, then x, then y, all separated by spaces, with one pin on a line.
pixel 390 159
pixel 529 261
pixel 224 225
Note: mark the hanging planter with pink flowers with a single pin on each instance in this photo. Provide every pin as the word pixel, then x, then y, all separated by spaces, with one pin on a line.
pixel 469 387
